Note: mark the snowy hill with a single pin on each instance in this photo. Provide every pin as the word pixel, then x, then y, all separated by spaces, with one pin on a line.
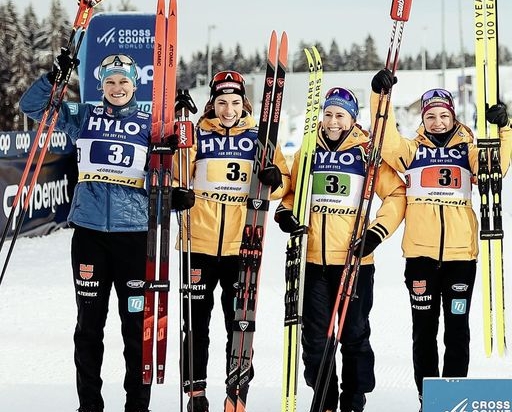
pixel 37 317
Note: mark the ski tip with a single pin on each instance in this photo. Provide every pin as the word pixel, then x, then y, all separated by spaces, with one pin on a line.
pixel 400 9
pixel 272 48
pixel 273 38
pixel 283 49
pixel 284 38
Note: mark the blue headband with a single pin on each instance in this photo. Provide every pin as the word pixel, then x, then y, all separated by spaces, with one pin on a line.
pixel 343 98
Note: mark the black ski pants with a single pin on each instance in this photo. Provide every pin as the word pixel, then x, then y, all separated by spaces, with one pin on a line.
pixel 100 259
pixel 206 272
pixel 431 285
pixel 321 285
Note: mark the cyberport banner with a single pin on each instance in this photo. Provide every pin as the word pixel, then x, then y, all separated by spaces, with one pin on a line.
pixel 467 395
pixel 50 201
pixel 108 33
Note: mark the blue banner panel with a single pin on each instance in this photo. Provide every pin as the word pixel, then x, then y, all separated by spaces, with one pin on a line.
pixel 50 201
pixel 120 32
pixel 467 395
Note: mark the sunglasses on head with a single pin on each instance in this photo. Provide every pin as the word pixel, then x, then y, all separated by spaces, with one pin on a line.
pixel 120 59
pixel 227 75
pixel 441 93
pixel 345 94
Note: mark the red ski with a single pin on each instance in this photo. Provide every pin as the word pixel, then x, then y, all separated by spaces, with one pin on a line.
pixel 160 182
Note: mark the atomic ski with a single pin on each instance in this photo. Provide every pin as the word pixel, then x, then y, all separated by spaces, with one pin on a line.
pixel 297 243
pixel 50 116
pixel 251 248
pixel 400 10
pixel 489 174
pixel 160 182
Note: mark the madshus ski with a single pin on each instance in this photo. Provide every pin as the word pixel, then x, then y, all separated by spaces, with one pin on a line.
pixel 489 176
pixel 251 248
pixel 400 10
pixel 297 243
pixel 160 183
pixel 46 125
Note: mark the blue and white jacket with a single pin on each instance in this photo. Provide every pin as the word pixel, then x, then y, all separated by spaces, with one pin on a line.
pixel 112 147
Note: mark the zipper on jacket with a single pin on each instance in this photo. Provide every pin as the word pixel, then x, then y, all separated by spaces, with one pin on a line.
pixel 324 259
pixel 441 243
pixel 221 230
pixel 109 187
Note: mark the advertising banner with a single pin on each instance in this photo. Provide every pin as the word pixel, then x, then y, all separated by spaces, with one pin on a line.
pixel 129 33
pixel 467 395
pixel 51 198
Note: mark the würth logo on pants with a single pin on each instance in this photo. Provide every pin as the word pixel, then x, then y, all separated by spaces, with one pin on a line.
pixel 419 286
pixel 86 271
pixel 195 275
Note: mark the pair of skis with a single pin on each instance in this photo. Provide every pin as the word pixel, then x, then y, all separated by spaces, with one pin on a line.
pixel 489 175
pixel 46 125
pixel 164 129
pixel 297 243
pixel 400 10
pixel 251 248
pixel 168 134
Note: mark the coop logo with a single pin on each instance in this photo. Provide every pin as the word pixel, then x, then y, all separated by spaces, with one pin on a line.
pixel 5 143
pixel 481 406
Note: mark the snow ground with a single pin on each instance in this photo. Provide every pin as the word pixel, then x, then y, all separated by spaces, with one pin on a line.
pixel 37 316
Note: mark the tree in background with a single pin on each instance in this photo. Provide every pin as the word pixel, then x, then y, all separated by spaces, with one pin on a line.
pixel 29 43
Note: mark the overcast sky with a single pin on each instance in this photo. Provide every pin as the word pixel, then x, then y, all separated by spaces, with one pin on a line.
pixel 249 23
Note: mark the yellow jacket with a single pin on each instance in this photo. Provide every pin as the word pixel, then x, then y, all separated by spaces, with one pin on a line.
pixel 329 234
pixel 216 225
pixel 439 231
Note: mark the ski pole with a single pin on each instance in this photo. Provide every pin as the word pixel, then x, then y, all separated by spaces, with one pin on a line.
pixel 400 10
pixel 82 19
pixel 184 131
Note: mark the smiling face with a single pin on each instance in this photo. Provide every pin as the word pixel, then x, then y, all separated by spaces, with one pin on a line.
pixel 335 121
pixel 228 108
pixel 118 89
pixel 438 120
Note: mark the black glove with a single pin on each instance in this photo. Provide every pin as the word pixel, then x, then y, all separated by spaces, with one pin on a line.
pixel 271 176
pixel 383 81
pixel 288 223
pixel 173 142
pixel 497 114
pixel 62 65
pixel 371 241
pixel 182 198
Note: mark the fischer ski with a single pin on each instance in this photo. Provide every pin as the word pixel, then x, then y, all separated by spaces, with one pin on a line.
pixel 160 183
pixel 489 175
pixel 48 122
pixel 251 248
pixel 400 10
pixel 297 243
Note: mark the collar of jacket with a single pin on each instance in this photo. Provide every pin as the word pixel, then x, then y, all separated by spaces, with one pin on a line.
pixel 461 134
pixel 214 125
pixel 120 111
pixel 356 137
